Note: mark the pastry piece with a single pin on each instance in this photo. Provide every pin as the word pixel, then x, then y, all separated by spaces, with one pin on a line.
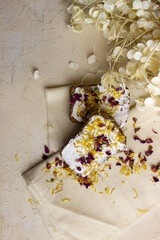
pixel 99 139
pixel 113 101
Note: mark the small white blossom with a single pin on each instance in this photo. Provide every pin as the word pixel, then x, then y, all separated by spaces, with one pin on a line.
pixel 74 66
pixel 92 59
pixel 36 74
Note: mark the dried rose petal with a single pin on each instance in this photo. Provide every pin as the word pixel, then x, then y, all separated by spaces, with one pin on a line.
pixel 108 153
pixel 131 162
pixel 127 159
pixel 155 179
pixel 90 156
pixel 118 164
pixel 137 129
pixel 79 168
pixel 44 157
pixel 139 154
pixel 48 165
pixel 58 162
pixel 94 94
pixel 148 153
pixel 101 136
pixel 75 97
pixel 101 125
pixel 82 160
pixel 128 152
pixel 111 99
pixel 121 159
pixel 154 131
pixel 143 160
pixel 65 165
pixel 149 140
pixel 96 144
pixel 109 167
pixel 134 119
pixel 46 149
pixel 88 161
pixel 154 169
pixel 104 98
pixel 98 149
pixel 118 89
pixel 143 141
pixel 136 138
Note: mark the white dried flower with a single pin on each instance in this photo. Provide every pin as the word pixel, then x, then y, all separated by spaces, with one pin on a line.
pixel 74 66
pixel 111 78
pixel 149 102
pixel 92 59
pixel 36 74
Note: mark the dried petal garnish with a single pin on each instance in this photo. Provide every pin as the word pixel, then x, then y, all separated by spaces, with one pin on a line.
pixel 134 119
pixel 108 153
pixel 155 179
pixel 112 101
pixel 154 131
pixel 154 168
pixel 101 125
pixel 90 156
pixel 79 168
pixel 46 149
pixel 148 152
pixel 75 97
pixel 58 162
pixel 149 140
pixel 44 157
pixel 137 129
pixel 48 165
pixel 104 98
pixel 118 164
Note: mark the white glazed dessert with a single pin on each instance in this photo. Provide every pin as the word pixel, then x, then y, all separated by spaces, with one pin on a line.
pixel 99 139
pixel 113 101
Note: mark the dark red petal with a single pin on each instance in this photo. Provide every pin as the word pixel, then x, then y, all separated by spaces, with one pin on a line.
pixel 79 168
pixel 108 153
pixel 104 98
pixel 137 129
pixel 136 138
pixel 48 165
pixel 148 153
pixel 127 159
pixel 155 179
pixel 44 157
pixel 134 119
pixel 111 99
pixel 154 169
pixel 149 140
pixel 118 164
pixel 90 156
pixel 154 131
pixel 101 125
pixel 46 149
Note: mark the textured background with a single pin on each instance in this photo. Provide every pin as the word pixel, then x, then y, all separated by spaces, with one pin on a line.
pixel 33 34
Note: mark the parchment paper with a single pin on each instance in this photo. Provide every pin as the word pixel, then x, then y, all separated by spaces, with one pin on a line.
pixel 90 215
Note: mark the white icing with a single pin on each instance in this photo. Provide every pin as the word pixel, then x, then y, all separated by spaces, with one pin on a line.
pixel 71 153
pixel 119 112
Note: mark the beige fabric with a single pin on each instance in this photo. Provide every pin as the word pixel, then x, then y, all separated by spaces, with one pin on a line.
pixel 91 215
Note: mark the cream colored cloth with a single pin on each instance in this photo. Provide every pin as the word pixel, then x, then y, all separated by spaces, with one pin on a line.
pixel 91 215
